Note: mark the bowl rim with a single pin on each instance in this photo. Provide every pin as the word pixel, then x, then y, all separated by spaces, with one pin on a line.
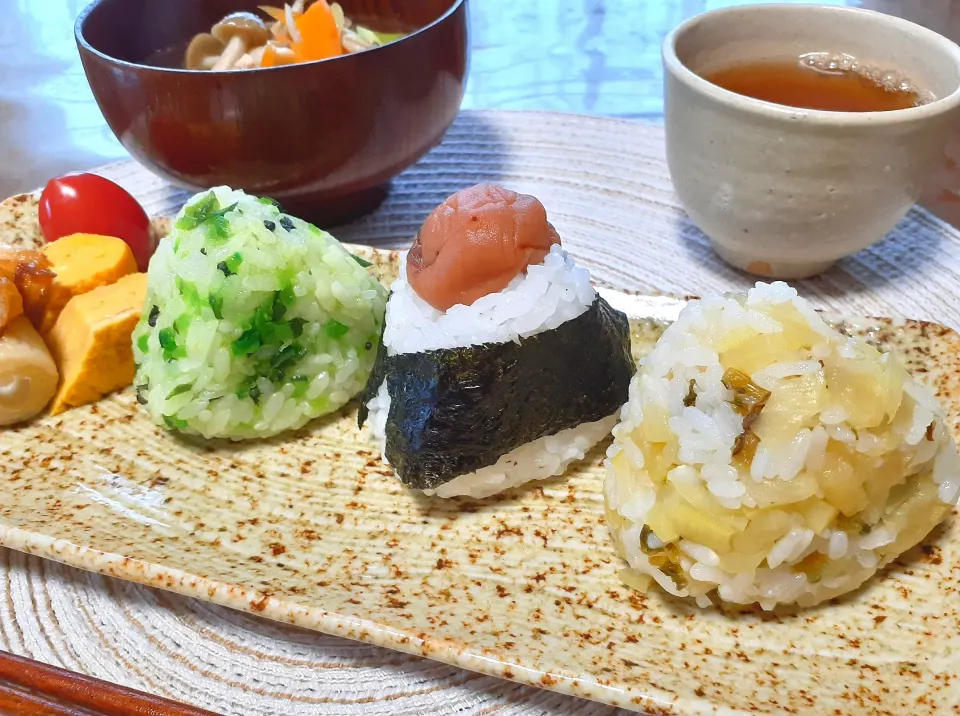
pixel 675 67
pixel 86 46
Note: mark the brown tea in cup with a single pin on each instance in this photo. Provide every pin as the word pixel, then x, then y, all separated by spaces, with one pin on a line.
pixel 836 83
pixel 783 190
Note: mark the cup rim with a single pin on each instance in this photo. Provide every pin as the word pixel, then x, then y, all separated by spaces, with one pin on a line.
pixel 86 46
pixel 674 66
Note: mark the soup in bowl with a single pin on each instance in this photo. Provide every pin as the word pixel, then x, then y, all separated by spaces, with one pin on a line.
pixel 323 137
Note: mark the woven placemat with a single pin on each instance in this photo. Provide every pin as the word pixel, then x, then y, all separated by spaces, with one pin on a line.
pixel 605 185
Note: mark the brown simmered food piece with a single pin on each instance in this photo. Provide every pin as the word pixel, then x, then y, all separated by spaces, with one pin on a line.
pixel 11 304
pixel 31 273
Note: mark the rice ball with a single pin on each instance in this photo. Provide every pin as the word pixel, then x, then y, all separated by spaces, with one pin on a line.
pixel 764 457
pixel 255 322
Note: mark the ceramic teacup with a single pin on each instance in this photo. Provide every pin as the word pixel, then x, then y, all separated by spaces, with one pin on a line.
pixel 785 192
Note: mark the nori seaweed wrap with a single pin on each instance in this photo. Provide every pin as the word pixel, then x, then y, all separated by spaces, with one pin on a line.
pixel 455 411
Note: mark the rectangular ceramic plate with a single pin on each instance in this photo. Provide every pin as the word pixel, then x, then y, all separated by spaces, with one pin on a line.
pixel 312 529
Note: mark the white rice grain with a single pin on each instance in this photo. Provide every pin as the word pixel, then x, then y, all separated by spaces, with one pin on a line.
pixel 833 415
pixel 841 433
pixel 878 537
pixel 789 547
pixel 839 543
pixel 700 553
pixel 770 376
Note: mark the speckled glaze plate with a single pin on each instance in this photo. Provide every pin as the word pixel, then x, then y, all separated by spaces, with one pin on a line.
pixel 312 529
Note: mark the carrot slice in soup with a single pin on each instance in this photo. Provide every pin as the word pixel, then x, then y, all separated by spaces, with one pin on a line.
pixel 269 57
pixel 319 32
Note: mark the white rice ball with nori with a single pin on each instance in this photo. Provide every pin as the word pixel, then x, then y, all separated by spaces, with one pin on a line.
pixel 255 322
pixel 763 457
pixel 499 364
pixel 546 296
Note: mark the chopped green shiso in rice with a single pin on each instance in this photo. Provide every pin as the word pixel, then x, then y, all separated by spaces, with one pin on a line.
pixel 255 322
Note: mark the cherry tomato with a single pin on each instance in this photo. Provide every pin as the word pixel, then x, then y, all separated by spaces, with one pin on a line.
pixel 90 204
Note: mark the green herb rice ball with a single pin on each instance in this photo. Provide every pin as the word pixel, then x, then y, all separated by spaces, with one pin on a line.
pixel 255 322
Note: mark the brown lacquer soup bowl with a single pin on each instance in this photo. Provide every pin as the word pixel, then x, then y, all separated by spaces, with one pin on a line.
pixel 324 138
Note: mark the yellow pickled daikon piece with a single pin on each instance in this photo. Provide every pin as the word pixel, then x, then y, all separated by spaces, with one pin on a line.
pixel 795 403
pixel 867 388
pixel 842 485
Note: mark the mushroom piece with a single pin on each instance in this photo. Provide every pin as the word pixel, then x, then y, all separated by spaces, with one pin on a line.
pixel 203 52
pixel 251 60
pixel 244 63
pixel 239 31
